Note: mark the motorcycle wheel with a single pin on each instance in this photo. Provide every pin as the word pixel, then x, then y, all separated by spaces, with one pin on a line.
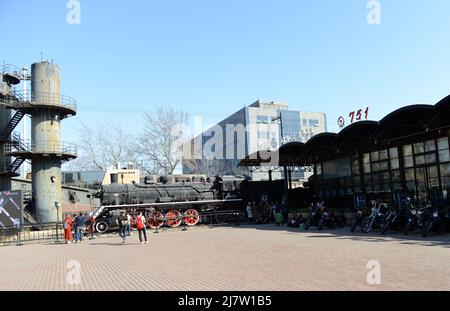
pixel 407 227
pixel 354 226
pixel 307 224
pixel 385 227
pixel 366 226
pixel 427 229
pixel 320 225
pixel 342 222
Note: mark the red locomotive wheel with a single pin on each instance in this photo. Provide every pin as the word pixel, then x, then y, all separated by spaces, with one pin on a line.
pixel 173 218
pixel 191 217
pixel 155 220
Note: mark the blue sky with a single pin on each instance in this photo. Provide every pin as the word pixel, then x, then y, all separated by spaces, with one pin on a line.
pixel 212 57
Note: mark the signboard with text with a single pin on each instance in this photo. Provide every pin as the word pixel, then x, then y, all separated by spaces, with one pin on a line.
pixel 11 208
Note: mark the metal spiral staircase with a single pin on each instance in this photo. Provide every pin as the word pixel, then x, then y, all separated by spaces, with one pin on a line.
pixel 9 99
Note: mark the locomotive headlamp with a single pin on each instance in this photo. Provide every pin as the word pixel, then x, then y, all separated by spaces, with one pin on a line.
pixel 435 214
pixel 414 212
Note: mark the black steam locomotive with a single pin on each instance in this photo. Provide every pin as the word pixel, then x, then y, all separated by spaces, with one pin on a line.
pixel 168 202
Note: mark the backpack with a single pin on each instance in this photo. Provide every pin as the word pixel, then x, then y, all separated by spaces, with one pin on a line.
pixel 139 223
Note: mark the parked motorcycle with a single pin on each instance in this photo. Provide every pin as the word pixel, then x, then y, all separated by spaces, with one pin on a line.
pixel 331 220
pixel 314 217
pixel 377 218
pixel 395 219
pixel 359 217
pixel 412 218
pixel 446 220
pixel 431 220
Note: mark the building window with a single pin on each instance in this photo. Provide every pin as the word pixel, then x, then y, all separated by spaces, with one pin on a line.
pixel 430 145
pixel 420 159
pixel 262 119
pixel 396 181
pixel 313 123
pixel 368 182
pixel 355 165
pixel 305 122
pixel 430 158
pixel 366 162
pixel 419 148
pixel 410 180
pixel 380 160
pixel 384 154
pixel 408 158
pixel 445 175
pixel 265 135
pixel 444 155
pixel 393 153
pixel 386 181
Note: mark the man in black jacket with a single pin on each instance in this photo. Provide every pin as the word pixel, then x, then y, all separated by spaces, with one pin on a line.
pixel 122 222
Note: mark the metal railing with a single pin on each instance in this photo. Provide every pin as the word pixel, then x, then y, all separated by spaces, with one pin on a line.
pixel 51 231
pixel 40 98
pixel 45 147
pixel 12 70
pixel 5 166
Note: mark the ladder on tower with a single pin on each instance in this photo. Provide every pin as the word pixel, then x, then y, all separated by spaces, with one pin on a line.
pixel 7 130
pixel 17 143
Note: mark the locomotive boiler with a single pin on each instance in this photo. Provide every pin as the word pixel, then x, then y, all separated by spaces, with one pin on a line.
pixel 169 203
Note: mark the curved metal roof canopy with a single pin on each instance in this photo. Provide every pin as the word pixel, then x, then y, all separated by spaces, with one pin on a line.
pixel 442 114
pixel 359 135
pixel 403 123
pixel 292 154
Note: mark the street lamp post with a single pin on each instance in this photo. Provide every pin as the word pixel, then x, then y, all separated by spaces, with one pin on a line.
pixel 286 189
pixel 57 205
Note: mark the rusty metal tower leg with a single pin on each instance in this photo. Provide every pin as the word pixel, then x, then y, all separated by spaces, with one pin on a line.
pixel 45 134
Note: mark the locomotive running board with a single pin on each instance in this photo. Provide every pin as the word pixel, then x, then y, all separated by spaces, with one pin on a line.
pixel 103 207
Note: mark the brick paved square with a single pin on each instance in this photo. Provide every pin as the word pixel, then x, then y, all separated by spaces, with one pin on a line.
pixel 231 258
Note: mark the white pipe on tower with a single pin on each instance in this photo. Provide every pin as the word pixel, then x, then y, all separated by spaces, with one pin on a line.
pixel 25 166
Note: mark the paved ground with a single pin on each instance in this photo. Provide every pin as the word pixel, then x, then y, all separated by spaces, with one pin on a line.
pixel 231 258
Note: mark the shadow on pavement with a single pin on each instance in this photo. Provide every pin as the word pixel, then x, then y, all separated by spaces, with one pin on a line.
pixel 413 238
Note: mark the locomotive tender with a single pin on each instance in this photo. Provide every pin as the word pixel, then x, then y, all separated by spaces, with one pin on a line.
pixel 168 203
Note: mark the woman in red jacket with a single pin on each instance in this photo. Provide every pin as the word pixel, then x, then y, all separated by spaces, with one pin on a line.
pixel 68 229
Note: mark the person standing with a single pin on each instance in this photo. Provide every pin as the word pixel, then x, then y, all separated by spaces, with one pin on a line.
pixel 285 212
pixel 74 226
pixel 81 221
pixel 91 225
pixel 273 211
pixel 249 213
pixel 140 226
pixel 67 224
pixel 128 224
pixel 122 221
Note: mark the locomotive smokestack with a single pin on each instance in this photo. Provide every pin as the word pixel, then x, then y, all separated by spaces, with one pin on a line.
pixel 114 178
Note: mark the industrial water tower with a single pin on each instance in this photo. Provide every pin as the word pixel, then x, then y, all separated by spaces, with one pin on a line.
pixel 47 107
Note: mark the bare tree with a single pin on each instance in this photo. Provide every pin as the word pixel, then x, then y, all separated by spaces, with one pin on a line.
pixel 104 146
pixel 161 138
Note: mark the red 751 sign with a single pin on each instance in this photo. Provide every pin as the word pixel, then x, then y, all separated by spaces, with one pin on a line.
pixel 358 115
